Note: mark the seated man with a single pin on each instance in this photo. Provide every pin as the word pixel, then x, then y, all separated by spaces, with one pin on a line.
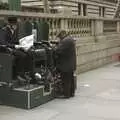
pixel 9 37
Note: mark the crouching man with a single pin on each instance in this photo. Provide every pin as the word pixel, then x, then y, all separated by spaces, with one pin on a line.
pixel 66 62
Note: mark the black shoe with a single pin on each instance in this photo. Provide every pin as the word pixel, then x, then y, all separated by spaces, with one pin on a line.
pixel 63 97
pixel 60 96
pixel 28 77
pixel 73 95
pixel 21 78
pixel 67 97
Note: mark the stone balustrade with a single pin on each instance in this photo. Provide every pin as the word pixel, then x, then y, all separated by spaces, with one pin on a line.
pixel 97 40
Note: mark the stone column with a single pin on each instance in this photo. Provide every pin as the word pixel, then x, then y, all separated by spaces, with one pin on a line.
pixel 93 27
pixel 98 27
pixel 46 6
pixel 81 9
pixel 118 26
pixel 64 24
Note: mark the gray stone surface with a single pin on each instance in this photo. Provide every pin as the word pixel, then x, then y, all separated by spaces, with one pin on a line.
pixel 95 54
pixel 97 98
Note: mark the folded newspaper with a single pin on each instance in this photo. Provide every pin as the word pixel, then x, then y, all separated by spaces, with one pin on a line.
pixel 27 42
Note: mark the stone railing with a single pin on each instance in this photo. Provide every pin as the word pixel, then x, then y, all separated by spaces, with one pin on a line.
pixel 97 40
pixel 76 26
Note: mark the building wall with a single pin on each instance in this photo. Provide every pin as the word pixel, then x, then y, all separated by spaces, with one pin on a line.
pixel 93 7
pixel 92 54
pixel 3 0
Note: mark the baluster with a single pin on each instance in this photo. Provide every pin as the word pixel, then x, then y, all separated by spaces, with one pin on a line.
pixel 52 28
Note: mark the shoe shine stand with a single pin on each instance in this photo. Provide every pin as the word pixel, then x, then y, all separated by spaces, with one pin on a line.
pixel 23 96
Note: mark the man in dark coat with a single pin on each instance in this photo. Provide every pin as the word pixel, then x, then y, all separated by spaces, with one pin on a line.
pixel 66 62
pixel 9 33
pixel 9 37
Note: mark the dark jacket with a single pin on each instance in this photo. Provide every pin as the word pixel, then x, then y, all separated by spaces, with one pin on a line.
pixel 7 38
pixel 3 37
pixel 66 55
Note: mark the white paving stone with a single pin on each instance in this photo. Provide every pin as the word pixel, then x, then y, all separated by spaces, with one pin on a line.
pixel 97 98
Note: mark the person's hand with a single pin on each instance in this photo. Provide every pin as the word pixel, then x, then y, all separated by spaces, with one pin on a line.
pixel 25 48
pixel 17 46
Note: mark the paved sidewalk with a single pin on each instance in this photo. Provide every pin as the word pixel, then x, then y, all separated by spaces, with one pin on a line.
pixel 97 98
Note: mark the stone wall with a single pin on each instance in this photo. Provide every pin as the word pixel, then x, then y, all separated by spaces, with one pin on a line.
pixel 94 8
pixel 96 53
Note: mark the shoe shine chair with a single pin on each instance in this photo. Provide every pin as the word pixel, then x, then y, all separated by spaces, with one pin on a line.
pixel 6 66
pixel 21 95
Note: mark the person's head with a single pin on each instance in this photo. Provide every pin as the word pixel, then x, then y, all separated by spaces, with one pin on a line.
pixel 62 34
pixel 12 21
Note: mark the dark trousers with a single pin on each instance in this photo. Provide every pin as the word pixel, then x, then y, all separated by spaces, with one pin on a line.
pixel 68 83
pixel 23 62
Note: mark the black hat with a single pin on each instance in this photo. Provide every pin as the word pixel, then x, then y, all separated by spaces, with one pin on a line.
pixel 61 33
pixel 12 19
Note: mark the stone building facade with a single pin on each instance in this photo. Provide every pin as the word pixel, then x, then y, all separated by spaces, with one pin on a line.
pixel 92 8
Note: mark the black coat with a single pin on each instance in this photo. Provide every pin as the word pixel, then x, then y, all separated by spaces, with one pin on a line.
pixel 3 37
pixel 66 55
pixel 7 38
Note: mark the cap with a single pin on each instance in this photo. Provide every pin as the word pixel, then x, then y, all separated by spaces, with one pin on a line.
pixel 61 33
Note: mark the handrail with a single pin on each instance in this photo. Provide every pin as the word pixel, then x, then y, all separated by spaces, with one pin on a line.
pixel 77 26
pixel 50 15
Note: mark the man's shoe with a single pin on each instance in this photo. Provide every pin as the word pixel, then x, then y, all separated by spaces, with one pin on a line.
pixel 73 95
pixel 63 97
pixel 28 77
pixel 20 78
pixel 60 96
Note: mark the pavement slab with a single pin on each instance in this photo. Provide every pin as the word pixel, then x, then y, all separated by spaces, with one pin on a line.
pixel 97 98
